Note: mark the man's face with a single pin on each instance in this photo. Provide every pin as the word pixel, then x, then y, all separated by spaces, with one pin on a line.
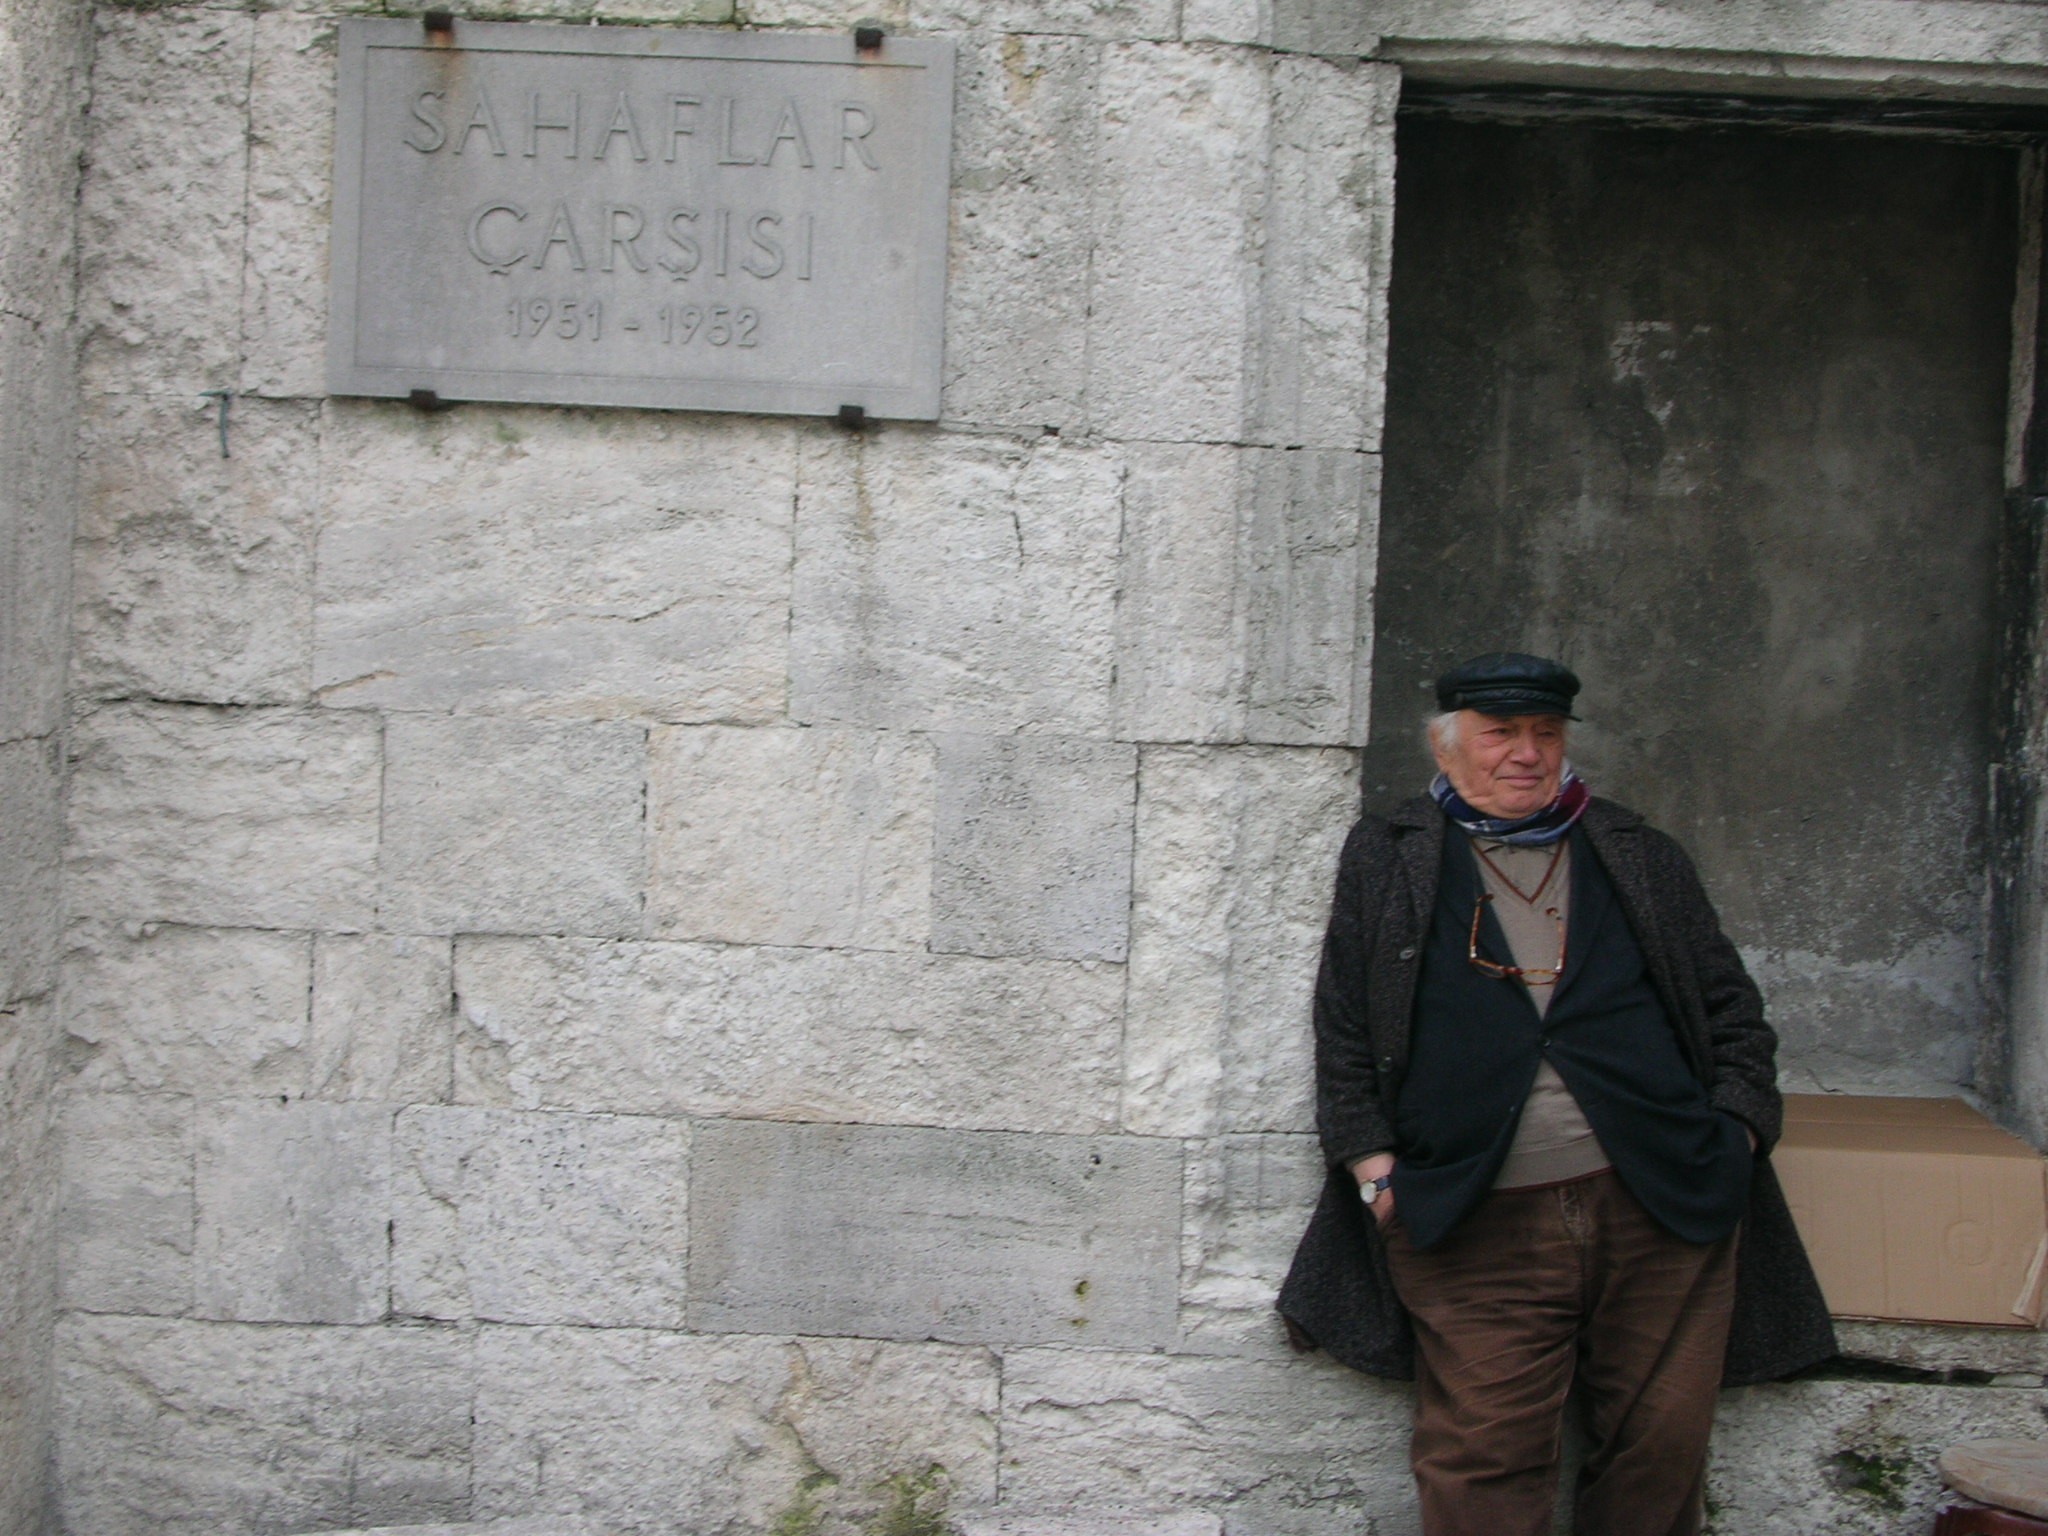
pixel 1505 765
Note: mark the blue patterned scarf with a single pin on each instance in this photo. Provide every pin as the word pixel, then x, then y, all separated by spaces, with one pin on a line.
pixel 1532 831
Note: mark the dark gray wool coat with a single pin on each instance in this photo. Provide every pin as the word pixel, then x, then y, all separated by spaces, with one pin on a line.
pixel 1338 1293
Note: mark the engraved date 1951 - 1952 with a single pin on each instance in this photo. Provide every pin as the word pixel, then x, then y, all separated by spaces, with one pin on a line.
pixel 716 325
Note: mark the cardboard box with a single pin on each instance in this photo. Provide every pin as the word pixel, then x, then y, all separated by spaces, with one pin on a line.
pixel 1916 1210
pixel 1847 1108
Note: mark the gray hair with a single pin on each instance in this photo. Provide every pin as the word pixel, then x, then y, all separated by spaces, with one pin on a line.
pixel 1441 731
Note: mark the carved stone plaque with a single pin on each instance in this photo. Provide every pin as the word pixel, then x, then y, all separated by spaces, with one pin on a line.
pixel 695 219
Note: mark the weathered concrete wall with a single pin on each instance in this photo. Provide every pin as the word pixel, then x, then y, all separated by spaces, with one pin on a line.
pixel 43 55
pixel 1719 417
pixel 2027 1042
pixel 662 966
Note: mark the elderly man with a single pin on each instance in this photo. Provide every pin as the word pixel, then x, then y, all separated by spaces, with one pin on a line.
pixel 1546 1095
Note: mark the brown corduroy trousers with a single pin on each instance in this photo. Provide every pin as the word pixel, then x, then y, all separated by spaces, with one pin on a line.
pixel 1534 1289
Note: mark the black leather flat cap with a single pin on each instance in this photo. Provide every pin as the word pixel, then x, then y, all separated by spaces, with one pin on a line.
pixel 1509 683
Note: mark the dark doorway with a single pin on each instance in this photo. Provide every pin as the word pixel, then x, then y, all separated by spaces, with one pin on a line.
pixel 1718 416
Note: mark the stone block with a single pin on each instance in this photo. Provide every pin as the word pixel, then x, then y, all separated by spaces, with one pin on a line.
pixel 161 209
pixel 726 1436
pixel 464 849
pixel 44 55
pixel 530 1525
pixel 28 1253
pixel 1086 18
pixel 293 1200
pixel 1329 27
pixel 835 14
pixel 383 1018
pixel 1247 1200
pixel 955 582
pixel 1246 607
pixel 817 837
pixel 1089 1522
pixel 214 1011
pixel 1946 1348
pixel 592 564
pixel 1858 32
pixel 194 572
pixel 480 10
pixel 1308 549
pixel 1032 850
pixel 264 819
pixel 1181 666
pixel 1236 855
pixel 793 1034
pixel 1321 319
pixel 328 9
pixel 1181 176
pixel 180 1428
pixel 31 853
pixel 527 1217
pixel 1017 260
pixel 42 120
pixel 1227 21
pixel 291 164
pixel 1293 1448
pixel 902 1232
pixel 1854 1457
pixel 126 1212
pixel 38 509
pixel 677 12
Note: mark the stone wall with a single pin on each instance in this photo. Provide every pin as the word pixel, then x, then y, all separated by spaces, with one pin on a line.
pixel 42 80
pixel 711 971
pixel 722 974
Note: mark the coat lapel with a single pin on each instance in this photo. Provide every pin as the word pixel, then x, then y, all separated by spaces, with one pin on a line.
pixel 1614 832
pixel 1610 831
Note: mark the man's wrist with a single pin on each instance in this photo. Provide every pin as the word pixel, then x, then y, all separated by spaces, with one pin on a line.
pixel 1374 1172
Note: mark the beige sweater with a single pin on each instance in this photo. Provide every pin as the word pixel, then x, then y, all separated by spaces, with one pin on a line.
pixel 1552 1141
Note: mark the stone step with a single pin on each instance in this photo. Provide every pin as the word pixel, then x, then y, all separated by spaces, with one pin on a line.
pixel 524 1525
pixel 1087 1521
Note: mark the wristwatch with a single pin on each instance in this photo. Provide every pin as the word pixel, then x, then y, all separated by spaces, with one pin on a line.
pixel 1370 1190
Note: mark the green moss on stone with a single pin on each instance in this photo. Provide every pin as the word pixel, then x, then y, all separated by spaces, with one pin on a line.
pixel 802 1515
pixel 916 1504
pixel 1880 1476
